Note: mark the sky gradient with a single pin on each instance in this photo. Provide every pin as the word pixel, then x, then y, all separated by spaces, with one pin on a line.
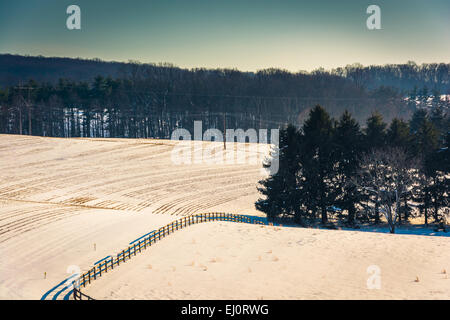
pixel 247 35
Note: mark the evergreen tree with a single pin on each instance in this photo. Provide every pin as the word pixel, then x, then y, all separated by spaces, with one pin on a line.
pixel 375 132
pixel 418 117
pixel 348 143
pixel 426 138
pixel 398 135
pixel 317 161
pixel 437 118
pixel 437 170
pixel 280 190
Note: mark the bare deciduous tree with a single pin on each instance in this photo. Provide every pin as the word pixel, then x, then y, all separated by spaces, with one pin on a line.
pixel 387 173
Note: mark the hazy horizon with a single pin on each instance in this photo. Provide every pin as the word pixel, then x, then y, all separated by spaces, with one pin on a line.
pixel 244 35
pixel 157 63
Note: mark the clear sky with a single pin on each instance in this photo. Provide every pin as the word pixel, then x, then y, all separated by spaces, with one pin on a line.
pixel 243 34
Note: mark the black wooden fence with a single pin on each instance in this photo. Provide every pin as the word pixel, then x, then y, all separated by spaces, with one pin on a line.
pixel 78 295
pixel 126 254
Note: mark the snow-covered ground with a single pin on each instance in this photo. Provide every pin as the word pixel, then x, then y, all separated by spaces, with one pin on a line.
pixel 71 202
pixel 222 260
pixel 68 203
pixel 407 229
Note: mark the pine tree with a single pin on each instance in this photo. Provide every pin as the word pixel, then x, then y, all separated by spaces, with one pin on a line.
pixel 418 117
pixel 375 132
pixel 348 143
pixel 317 161
pixel 437 118
pixel 398 135
pixel 437 169
pixel 426 138
pixel 280 190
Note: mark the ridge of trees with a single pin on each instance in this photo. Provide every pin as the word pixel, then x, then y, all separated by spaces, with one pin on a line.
pixel 402 77
pixel 147 100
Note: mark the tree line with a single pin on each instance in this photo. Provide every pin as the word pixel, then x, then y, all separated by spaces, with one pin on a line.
pixel 146 100
pixel 402 77
pixel 151 102
pixel 332 169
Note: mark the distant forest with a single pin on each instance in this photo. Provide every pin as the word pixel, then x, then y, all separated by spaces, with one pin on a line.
pixel 65 97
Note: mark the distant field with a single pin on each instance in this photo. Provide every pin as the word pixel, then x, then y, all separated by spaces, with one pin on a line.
pixel 62 198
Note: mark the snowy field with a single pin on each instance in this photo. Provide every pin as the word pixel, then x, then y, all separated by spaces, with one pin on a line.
pixel 72 202
pixel 222 260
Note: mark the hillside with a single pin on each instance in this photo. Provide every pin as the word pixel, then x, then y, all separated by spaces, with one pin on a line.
pixel 15 69
pixel 403 77
pixel 65 204
pixel 70 202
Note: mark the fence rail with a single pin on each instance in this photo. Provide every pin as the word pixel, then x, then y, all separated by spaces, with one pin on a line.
pixel 138 246
pixel 78 295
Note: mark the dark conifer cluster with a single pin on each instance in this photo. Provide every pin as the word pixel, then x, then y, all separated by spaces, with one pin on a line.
pixel 335 170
